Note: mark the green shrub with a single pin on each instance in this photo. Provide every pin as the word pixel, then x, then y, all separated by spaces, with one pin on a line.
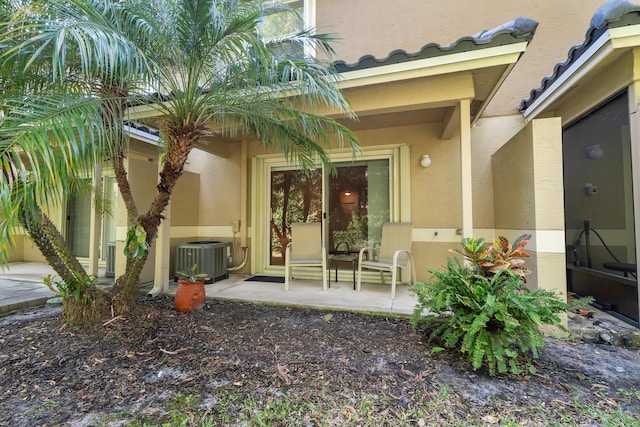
pixel 485 309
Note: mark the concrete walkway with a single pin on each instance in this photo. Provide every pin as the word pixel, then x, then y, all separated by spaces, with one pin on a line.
pixel 21 287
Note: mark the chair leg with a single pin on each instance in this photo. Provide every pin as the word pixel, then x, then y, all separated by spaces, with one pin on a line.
pixel 414 278
pixel 359 277
pixel 324 279
pixel 394 277
pixel 286 276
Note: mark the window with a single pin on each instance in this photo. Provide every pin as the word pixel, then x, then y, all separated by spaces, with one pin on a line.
pixel 278 25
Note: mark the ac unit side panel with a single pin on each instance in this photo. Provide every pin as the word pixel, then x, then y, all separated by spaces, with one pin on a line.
pixel 210 258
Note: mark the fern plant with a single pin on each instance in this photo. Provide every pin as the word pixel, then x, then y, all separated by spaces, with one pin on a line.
pixel 485 309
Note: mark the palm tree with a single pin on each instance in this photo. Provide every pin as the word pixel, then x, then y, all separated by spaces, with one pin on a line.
pixel 219 76
pixel 62 112
pixel 23 192
pixel 223 78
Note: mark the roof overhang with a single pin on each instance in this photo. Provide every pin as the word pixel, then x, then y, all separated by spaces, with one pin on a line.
pixel 446 64
pixel 425 86
pixel 610 45
pixel 487 67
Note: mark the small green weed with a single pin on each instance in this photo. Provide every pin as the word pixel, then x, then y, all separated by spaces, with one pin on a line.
pixel 73 287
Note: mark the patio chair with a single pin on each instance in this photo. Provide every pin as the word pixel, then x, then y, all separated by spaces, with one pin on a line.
pixel 305 250
pixel 394 253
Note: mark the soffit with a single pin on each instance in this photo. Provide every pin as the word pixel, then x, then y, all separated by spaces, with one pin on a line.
pixel 405 118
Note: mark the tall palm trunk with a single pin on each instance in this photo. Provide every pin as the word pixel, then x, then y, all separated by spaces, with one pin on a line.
pixel 181 142
pixel 62 246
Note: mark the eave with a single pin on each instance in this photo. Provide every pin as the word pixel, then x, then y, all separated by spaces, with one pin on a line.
pixel 609 45
pixel 614 30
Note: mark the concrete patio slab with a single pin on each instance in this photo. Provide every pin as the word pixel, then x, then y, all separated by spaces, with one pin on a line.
pixel 21 288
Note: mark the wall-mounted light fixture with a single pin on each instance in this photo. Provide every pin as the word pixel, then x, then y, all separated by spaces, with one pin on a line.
pixel 595 151
pixel 425 162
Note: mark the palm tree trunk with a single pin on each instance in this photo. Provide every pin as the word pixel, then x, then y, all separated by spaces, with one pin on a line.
pixel 180 145
pixel 61 246
pixel 34 226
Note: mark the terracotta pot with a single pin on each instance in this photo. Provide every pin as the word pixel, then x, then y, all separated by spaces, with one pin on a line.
pixel 189 295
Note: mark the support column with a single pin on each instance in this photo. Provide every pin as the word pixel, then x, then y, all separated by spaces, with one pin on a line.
pixel 95 223
pixel 465 168
pixel 244 184
pixel 163 252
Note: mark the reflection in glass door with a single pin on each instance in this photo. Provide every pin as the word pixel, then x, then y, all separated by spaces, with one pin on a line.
pixel 359 203
pixel 352 200
pixel 295 197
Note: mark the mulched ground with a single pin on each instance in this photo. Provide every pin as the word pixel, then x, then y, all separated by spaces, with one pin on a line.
pixel 52 375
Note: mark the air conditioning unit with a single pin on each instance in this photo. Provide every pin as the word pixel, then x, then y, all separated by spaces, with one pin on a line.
pixel 210 257
pixel 110 269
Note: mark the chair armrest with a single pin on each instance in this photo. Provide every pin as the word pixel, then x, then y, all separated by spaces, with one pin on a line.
pixel 362 251
pixel 397 253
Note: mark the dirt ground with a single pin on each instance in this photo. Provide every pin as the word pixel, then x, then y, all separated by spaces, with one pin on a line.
pixel 125 370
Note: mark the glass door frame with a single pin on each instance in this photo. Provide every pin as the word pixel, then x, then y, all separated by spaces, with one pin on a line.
pixel 262 166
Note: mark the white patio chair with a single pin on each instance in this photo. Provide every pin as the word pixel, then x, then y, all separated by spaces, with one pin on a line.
pixel 305 250
pixel 394 253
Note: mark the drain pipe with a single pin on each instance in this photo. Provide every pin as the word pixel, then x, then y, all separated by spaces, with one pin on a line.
pixel 158 288
pixel 242 264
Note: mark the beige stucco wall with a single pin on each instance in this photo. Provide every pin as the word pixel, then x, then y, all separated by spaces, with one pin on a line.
pixel 528 199
pixel 487 136
pixel 435 191
pixel 526 173
pixel 513 183
pixel 25 249
pixel 30 252
pixel 143 177
pixel 17 252
pixel 219 188
pixel 377 27
pixel 547 157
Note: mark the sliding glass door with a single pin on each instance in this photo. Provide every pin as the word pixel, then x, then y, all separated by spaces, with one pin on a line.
pixel 358 197
pixel 352 201
pixel 295 197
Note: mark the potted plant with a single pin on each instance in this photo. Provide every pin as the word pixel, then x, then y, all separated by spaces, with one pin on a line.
pixel 190 294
